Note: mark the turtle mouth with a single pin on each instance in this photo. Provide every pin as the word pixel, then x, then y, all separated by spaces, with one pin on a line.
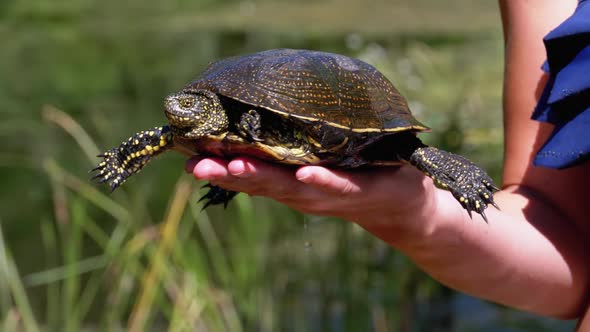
pixel 180 120
pixel 180 131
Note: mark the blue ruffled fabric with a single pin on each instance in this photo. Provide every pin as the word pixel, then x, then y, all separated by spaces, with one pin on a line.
pixel 565 101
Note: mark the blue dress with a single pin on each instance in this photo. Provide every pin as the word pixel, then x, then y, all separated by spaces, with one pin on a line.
pixel 565 102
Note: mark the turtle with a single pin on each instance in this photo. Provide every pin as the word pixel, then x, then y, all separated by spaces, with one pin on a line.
pixel 296 107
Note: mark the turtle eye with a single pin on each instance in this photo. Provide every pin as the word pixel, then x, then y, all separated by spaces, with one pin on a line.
pixel 186 103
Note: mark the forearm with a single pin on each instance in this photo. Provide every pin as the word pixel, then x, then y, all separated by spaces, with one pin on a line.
pixel 527 257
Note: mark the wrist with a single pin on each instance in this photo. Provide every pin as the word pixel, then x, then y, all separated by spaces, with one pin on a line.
pixel 412 223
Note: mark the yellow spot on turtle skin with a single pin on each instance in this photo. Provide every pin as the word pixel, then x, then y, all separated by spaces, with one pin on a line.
pixel 151 133
pixel 149 148
pixel 143 152
pixel 156 148
pixel 133 155
pixel 477 204
pixel 136 142
pixel 486 196
pixel 462 199
pixel 163 143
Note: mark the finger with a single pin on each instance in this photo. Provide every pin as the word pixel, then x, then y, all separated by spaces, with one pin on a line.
pixel 261 178
pixel 191 163
pixel 329 181
pixel 243 168
pixel 211 169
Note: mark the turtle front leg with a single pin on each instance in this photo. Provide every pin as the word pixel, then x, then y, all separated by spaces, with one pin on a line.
pixel 468 183
pixel 121 162
pixel 250 126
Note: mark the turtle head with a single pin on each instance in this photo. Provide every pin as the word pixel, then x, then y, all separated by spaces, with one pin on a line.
pixel 195 113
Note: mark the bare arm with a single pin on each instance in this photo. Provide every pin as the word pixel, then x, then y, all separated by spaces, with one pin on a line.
pixel 530 256
pixel 525 23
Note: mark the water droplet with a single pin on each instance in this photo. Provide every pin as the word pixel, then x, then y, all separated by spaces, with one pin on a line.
pixel 307 244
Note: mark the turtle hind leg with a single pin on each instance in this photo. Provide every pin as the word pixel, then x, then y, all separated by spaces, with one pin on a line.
pixel 121 162
pixel 217 195
pixel 468 183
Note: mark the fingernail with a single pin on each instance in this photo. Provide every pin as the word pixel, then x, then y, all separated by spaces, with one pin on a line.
pixel 242 174
pixel 239 169
pixel 303 176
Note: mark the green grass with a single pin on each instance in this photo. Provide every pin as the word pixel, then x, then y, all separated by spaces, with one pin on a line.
pixel 81 76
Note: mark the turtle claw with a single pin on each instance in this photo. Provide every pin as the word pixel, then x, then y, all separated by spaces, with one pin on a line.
pixel 216 195
pixel 250 126
pixel 477 204
pixel 468 183
pixel 494 204
pixel 109 170
pixel 483 215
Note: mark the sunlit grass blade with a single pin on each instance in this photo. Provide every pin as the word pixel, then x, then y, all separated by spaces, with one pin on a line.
pixel 151 280
pixel 11 321
pixel 68 124
pixel 61 273
pixel 53 294
pixel 201 307
pixel 213 247
pixel 188 307
pixel 16 287
pixel 87 191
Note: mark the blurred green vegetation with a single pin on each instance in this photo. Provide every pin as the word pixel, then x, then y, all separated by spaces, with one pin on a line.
pixel 79 76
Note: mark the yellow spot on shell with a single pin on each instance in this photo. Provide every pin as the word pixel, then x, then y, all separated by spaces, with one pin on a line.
pixel 156 148
pixel 149 147
pixel 143 152
pixel 162 143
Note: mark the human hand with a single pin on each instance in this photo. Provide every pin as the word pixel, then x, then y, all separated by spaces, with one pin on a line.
pixel 398 197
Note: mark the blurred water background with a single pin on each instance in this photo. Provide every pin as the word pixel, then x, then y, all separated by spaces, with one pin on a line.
pixel 79 76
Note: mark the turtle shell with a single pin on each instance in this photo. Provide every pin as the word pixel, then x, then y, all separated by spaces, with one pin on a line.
pixel 316 86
